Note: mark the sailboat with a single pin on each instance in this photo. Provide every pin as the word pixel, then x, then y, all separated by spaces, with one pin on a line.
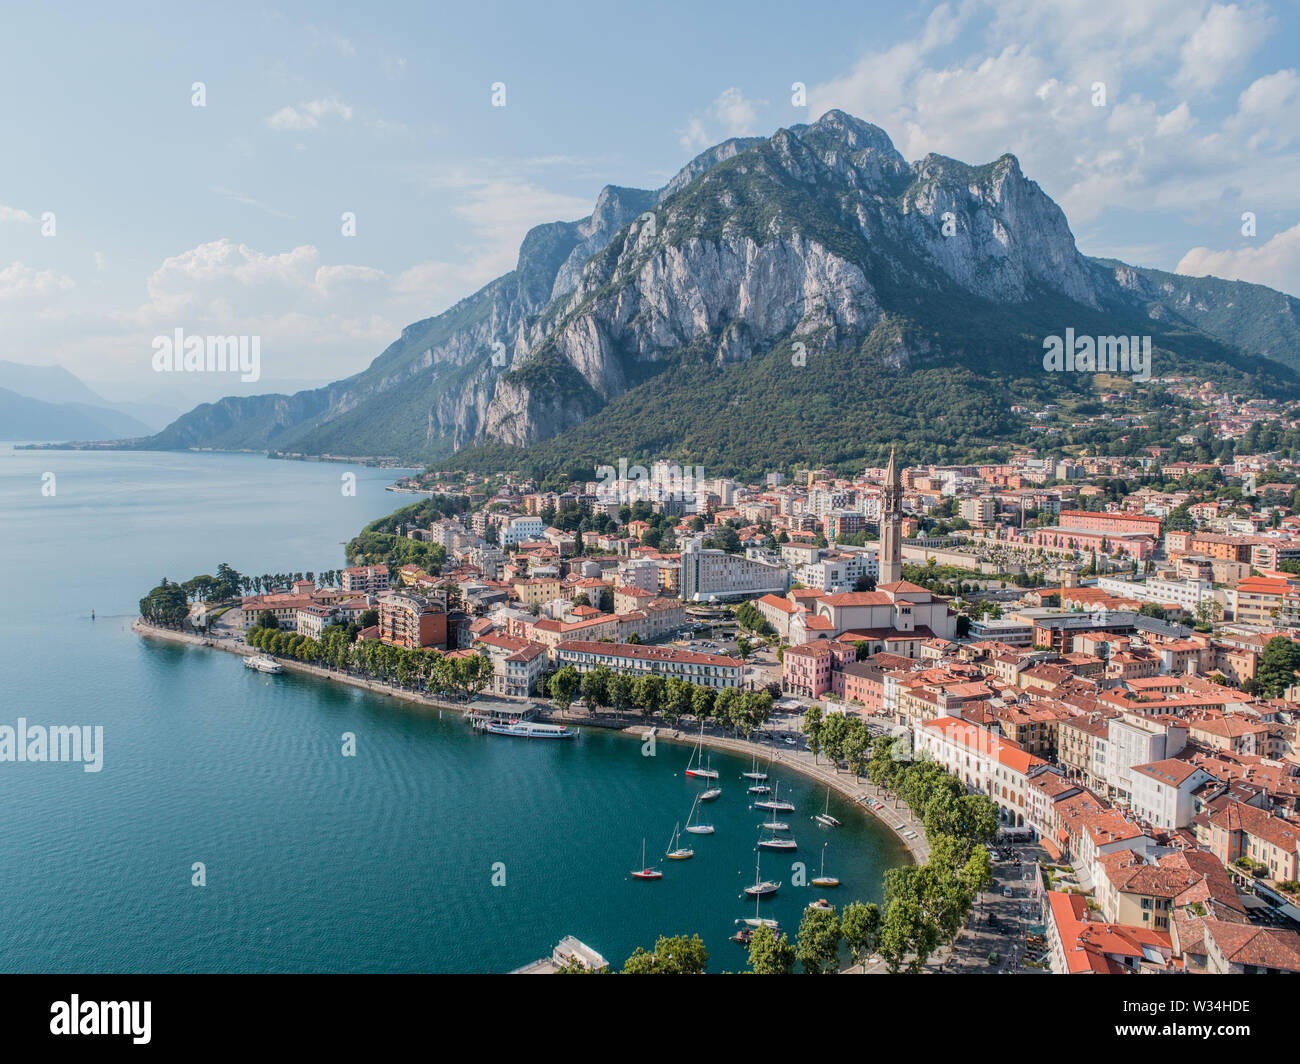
pixel 775 803
pixel 776 842
pixel 710 773
pixel 824 880
pixel 755 921
pixel 762 887
pixel 825 817
pixel 775 825
pixel 697 828
pixel 755 774
pixel 677 852
pixel 646 871
pixel 695 767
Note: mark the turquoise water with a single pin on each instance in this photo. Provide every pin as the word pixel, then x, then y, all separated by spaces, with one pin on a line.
pixel 316 862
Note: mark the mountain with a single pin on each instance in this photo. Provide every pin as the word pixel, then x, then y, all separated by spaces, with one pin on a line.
pixel 801 295
pixel 54 384
pixel 24 418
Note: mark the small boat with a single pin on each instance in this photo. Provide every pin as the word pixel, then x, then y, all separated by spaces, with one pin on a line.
pixel 785 845
pixel 697 828
pixel 743 936
pixel 263 664
pixel 761 887
pixel 755 774
pixel 825 817
pixel 695 766
pixel 775 804
pixel 646 872
pixel 775 825
pixel 710 794
pixel 760 788
pixel 677 852
pixel 824 880
pixel 821 903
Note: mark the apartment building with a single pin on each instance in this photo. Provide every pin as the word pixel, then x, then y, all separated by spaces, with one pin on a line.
pixel 706 670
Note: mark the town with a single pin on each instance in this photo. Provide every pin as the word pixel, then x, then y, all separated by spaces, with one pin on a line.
pixel 1112 663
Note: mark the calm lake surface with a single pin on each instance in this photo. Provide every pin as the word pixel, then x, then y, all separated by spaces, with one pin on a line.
pixel 315 862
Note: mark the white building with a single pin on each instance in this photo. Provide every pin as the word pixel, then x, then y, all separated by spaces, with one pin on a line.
pixel 712 573
pixel 1162 792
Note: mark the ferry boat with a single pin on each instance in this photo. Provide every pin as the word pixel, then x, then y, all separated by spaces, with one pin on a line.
pixel 530 729
pixel 502 718
pixel 263 664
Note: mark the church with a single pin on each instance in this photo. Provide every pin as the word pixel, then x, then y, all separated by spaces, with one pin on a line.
pixel 898 616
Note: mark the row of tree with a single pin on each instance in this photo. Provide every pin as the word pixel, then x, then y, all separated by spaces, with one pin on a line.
pixel 460 676
pixel 672 698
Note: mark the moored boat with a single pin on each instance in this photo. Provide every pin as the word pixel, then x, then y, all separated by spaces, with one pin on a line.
pixel 646 871
pixel 676 851
pixel 695 766
pixel 263 664
pixel 825 817
pixel 697 828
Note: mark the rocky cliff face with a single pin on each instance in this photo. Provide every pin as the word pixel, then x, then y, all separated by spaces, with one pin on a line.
pixel 815 235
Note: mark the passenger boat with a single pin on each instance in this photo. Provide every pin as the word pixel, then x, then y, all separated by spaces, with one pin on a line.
pixel 646 872
pixel 529 729
pixel 825 817
pixel 263 664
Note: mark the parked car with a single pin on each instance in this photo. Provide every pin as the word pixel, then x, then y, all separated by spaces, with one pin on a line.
pixel 1007 892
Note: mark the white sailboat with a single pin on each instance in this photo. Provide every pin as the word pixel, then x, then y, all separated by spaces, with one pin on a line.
pixel 695 766
pixel 697 828
pixel 775 804
pixel 755 775
pixel 712 792
pixel 825 817
pixel 646 871
pixel 676 851
pixel 762 887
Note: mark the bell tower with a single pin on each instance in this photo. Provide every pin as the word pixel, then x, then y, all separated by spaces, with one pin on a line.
pixel 891 531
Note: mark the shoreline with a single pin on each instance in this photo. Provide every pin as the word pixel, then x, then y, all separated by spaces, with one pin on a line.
pixel 850 788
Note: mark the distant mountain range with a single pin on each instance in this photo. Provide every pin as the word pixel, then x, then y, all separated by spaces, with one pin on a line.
pixel 808 296
pixel 49 403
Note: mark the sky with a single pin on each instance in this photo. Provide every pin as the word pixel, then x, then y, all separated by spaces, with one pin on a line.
pixel 127 211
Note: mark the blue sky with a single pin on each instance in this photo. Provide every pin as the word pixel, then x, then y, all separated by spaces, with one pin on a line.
pixel 226 218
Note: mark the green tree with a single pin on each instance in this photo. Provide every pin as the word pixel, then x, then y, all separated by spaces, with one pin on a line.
pixel 818 944
pixel 1277 665
pixel 675 955
pixel 860 925
pixel 769 955
pixel 564 686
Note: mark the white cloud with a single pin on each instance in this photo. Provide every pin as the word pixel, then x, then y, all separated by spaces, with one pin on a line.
pixel 1275 263
pixel 731 113
pixel 20 282
pixel 14 214
pixel 309 115
pixel 1221 45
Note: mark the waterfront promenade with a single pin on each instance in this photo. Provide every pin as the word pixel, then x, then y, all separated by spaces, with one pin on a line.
pixel 895 815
